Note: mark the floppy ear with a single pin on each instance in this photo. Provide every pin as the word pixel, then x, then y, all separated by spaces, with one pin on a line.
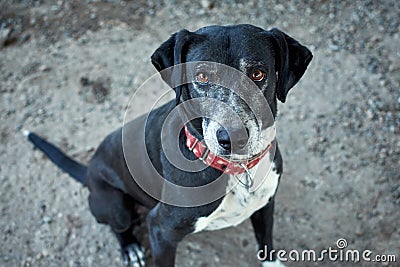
pixel 171 53
pixel 292 60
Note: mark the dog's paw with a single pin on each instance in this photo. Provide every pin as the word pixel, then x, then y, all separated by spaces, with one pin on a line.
pixel 133 256
pixel 275 263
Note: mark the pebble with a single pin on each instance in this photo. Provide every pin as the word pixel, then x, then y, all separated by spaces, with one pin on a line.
pixel 334 47
pixel 370 114
pixel 205 3
pixel 47 219
pixel 27 262
pixel 55 8
pixel 44 68
pixel 4 33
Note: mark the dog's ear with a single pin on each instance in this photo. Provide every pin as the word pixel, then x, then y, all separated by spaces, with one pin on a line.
pixel 172 52
pixel 291 62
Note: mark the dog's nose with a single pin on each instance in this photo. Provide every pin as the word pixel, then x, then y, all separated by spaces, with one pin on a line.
pixel 237 138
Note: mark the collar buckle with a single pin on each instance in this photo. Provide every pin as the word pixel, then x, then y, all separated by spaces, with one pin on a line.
pixel 194 144
pixel 204 155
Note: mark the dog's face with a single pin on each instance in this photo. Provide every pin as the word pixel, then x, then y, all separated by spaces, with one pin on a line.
pixel 273 61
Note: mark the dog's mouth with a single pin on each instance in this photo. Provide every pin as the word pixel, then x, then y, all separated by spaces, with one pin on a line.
pixel 237 144
pixel 231 163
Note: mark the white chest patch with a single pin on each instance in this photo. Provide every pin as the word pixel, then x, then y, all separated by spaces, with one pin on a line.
pixel 240 203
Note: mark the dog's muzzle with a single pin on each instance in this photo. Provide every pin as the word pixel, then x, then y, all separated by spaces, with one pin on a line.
pixel 218 162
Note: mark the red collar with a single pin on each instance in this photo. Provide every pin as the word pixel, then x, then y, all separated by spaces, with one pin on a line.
pixel 230 167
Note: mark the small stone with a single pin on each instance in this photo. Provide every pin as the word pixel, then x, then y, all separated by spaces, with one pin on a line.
pixel 4 33
pixel 55 8
pixel 279 7
pixel 370 114
pixel 47 219
pixel 334 47
pixel 44 68
pixel 359 232
pixel 302 116
pixel 209 4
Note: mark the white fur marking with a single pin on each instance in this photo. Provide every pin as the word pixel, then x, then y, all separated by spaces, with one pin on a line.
pixel 240 203
pixel 243 65
pixel 26 133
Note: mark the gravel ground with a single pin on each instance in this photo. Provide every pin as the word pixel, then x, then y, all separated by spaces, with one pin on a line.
pixel 68 68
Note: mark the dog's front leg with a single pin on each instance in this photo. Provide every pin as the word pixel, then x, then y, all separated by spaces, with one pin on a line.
pixel 262 221
pixel 166 229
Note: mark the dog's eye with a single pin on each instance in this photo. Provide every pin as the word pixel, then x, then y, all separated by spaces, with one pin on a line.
pixel 202 77
pixel 258 76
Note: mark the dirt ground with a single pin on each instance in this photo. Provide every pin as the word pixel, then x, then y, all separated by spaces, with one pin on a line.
pixel 68 69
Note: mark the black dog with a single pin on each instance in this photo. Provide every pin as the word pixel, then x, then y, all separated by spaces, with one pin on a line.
pixel 274 62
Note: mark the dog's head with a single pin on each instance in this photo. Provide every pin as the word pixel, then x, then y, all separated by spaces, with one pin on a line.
pixel 272 60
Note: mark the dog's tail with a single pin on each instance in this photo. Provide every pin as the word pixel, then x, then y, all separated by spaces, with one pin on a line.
pixel 59 158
